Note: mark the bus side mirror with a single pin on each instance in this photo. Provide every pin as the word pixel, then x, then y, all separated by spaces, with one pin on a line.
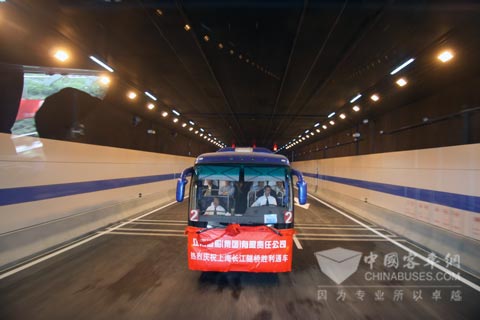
pixel 182 182
pixel 302 192
pixel 302 187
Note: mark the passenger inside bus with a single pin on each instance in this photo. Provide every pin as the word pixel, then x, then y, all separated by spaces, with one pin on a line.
pixel 267 199
pixel 227 189
pixel 215 208
pixel 210 189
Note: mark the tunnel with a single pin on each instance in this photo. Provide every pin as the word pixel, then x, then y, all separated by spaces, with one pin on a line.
pixel 197 159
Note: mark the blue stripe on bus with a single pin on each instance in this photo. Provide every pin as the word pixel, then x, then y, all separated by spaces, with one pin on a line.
pixel 34 193
pixel 454 200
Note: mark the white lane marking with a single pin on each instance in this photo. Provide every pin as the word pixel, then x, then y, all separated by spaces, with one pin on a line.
pixel 336 235
pixel 398 244
pixel 439 258
pixel 297 242
pixel 152 230
pixel 165 221
pixel 146 234
pixel 329 225
pixel 326 228
pixel 349 239
pixel 76 244
pixel 159 223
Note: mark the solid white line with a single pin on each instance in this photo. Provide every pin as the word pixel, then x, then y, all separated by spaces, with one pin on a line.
pixel 297 242
pixel 146 234
pixel 325 228
pixel 440 258
pixel 398 244
pixel 153 230
pixel 76 244
pixel 349 239
pixel 155 220
pixel 159 223
pixel 328 225
pixel 336 235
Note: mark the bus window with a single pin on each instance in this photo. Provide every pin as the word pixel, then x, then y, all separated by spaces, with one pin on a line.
pixel 224 194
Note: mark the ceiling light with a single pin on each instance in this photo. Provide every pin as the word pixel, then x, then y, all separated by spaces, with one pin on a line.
pixel 342 116
pixel 187 27
pixel 205 137
pixel 196 131
pixel 375 97
pixel 324 127
pixel 316 124
pixel 220 45
pixel 164 114
pixel 61 55
pixel 209 134
pixel 303 138
pixel 401 82
pixel 206 38
pixel 247 60
pixel 403 65
pixel 105 80
pixel 358 96
pixel 312 133
pixel 240 57
pixel 231 51
pixel 131 95
pixel 201 129
pixel 151 106
pixel 201 134
pixel 151 96
pixel 175 120
pixel 307 136
pixel 191 122
pixel 332 122
pixel 318 130
pixel 176 112
pixel 307 131
pixel 445 56
pixel 356 108
pixel 101 63
pixel 159 12
pixel 184 125
pixel 190 129
pixel 331 115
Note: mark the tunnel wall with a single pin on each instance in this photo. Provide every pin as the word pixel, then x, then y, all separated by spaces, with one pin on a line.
pixel 431 196
pixel 55 191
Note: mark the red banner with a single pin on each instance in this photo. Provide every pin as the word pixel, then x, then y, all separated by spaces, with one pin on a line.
pixel 238 248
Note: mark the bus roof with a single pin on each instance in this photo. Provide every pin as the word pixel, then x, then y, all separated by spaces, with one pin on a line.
pixel 243 155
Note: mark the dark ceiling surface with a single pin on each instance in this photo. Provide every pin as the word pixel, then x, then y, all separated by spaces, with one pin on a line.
pixel 270 69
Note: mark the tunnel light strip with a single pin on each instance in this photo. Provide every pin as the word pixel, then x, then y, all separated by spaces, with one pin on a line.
pixel 151 96
pixel 403 65
pixel 331 115
pixel 101 63
pixel 358 96
pixel 398 244
pixel 176 112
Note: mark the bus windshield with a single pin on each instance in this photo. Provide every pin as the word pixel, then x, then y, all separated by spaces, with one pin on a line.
pixel 242 193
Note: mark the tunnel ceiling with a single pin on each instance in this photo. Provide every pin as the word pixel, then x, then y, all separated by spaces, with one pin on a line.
pixel 270 69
